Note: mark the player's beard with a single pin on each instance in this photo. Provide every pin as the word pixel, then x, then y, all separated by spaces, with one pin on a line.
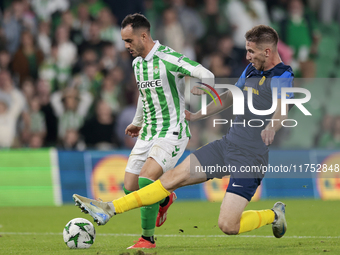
pixel 261 68
pixel 139 50
pixel 259 64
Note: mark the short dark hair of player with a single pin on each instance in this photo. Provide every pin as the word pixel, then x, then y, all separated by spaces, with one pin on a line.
pixel 136 21
pixel 262 34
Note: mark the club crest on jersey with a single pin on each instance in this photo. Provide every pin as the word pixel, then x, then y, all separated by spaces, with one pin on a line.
pixel 149 84
pixel 137 71
pixel 156 70
pixel 262 80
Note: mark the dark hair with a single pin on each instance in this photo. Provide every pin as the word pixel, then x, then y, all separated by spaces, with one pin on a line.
pixel 28 32
pixel 262 34
pixel 136 21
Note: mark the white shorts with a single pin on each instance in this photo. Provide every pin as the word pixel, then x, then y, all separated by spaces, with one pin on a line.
pixel 165 151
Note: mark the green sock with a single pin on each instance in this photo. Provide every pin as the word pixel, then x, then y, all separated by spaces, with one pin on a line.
pixel 148 213
pixel 127 192
pixel 163 200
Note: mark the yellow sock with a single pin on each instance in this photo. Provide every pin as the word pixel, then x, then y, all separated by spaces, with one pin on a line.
pixel 145 196
pixel 254 219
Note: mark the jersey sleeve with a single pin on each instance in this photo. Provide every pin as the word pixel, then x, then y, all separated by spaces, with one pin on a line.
pixel 138 119
pixel 186 65
pixel 285 80
pixel 242 80
pixel 177 62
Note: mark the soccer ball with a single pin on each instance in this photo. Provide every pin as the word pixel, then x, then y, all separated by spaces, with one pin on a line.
pixel 79 233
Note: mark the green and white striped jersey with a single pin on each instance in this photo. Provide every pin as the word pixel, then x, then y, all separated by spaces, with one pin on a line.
pixel 160 81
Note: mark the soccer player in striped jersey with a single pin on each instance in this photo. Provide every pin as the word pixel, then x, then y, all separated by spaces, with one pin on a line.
pixel 159 123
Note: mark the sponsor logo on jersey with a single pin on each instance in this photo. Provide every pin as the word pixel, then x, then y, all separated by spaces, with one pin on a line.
pixel 255 91
pixel 149 84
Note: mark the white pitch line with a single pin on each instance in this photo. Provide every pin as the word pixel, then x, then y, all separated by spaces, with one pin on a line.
pixel 201 236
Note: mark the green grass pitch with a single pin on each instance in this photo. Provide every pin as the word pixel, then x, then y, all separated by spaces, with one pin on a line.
pixel 191 228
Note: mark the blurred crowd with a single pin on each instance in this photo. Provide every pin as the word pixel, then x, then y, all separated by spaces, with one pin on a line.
pixel 66 79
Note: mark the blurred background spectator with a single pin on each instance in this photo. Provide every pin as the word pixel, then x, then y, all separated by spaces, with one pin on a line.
pixel 34 125
pixel 216 25
pixel 43 91
pixel 66 52
pixel 109 29
pixel 124 119
pixel 12 25
pixel 45 9
pixel 111 90
pixel 44 38
pixel 171 31
pixel 67 80
pixel 94 41
pixel 104 124
pixel 89 79
pixel 329 11
pixel 12 105
pixel 298 31
pixel 27 59
pixel 110 58
pixel 326 137
pixel 71 107
pixel 5 59
pixel 243 15
pixel 83 20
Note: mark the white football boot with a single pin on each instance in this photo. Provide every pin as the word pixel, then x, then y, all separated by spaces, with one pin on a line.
pixel 279 225
pixel 100 211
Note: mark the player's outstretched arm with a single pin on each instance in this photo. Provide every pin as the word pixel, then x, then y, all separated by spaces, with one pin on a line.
pixel 274 125
pixel 227 101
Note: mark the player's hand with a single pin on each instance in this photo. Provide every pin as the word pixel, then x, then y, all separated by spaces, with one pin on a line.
pixel 268 136
pixel 196 91
pixel 188 115
pixel 132 130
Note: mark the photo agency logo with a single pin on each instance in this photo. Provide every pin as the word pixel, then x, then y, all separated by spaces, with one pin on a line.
pixel 239 104
pixel 205 95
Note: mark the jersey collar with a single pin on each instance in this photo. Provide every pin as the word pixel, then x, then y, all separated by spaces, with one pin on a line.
pixel 152 51
pixel 279 65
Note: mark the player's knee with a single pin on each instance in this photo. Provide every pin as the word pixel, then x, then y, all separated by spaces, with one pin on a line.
pixel 130 187
pixel 228 229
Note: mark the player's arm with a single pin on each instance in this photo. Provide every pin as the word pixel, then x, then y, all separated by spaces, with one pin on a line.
pixel 205 76
pixel 136 125
pixel 285 80
pixel 188 67
pixel 274 125
pixel 226 98
pixel 227 101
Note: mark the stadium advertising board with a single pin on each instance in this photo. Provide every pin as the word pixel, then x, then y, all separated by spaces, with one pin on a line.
pixel 107 178
pixel 29 178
